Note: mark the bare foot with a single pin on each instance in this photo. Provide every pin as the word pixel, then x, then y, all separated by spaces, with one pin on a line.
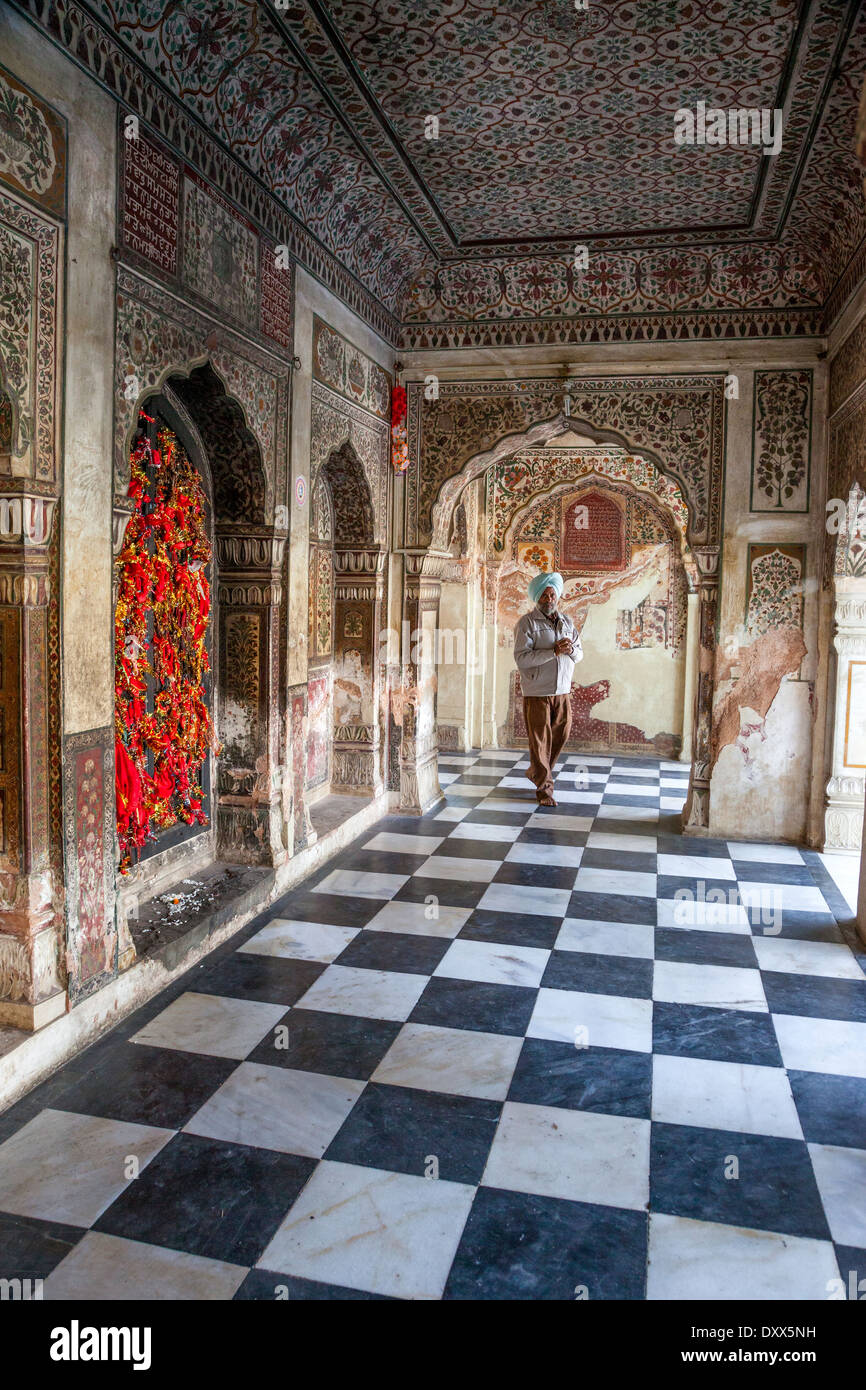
pixel 546 801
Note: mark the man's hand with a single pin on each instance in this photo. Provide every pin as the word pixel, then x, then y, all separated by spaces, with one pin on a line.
pixel 563 647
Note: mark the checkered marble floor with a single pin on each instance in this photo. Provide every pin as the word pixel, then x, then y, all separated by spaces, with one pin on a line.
pixel 498 1052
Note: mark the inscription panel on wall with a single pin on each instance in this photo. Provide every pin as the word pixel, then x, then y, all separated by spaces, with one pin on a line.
pixel 593 534
pixel 275 303
pixel 150 202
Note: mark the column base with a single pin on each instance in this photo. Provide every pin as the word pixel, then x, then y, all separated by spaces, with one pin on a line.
pixel 32 1017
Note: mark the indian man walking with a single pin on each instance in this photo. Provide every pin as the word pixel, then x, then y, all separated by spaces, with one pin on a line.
pixel 546 647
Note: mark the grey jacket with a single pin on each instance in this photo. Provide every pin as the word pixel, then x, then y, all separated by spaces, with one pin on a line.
pixel 542 672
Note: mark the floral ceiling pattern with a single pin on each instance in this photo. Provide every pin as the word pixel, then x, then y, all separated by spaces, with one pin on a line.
pixel 555 126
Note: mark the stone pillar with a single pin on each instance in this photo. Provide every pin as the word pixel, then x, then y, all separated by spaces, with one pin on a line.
pixel 419 773
pixel 249 802
pixel 691 671
pixel 357 764
pixel 843 815
pixel 489 732
pixel 696 812
pixel 32 957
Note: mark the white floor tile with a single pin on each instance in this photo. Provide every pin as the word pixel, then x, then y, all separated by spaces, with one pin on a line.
pixel 696 866
pixel 841 1177
pixel 821 1044
pixel 724 1095
pixel 68 1168
pixel 713 986
pixel 793 897
pixel 296 1112
pixel 561 856
pixel 632 844
pixel 458 870
pixel 708 1261
pixel 453 813
pixel 697 915
pixel 626 881
pixel 764 854
pixel 549 820
pixel 518 897
pixel 364 1228
pixel 450 1060
pixel 294 940
pixel 344 989
pixel 572 1154
pixel 629 939
pixel 420 919
pixel 584 798
pixel 354 883
pixel 638 813
pixel 404 844
pixel 503 834
pixel 108 1268
pixel 493 964
pixel 211 1023
pixel 592 1020
pixel 824 958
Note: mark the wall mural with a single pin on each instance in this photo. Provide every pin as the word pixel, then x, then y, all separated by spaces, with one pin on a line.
pixel 32 146
pixel 781 441
pixel 677 420
pixel 319 695
pixel 219 257
pixel 627 598
pixel 156 334
pixel 350 372
pixel 774 587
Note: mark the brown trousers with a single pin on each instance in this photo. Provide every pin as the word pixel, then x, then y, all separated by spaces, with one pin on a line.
pixel 548 723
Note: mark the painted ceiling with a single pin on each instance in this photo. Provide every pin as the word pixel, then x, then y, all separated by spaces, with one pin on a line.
pixel 555 126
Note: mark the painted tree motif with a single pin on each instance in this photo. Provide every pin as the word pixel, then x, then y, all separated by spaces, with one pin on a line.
pixel 782 428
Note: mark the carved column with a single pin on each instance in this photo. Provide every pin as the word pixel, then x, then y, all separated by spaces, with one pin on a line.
pixel 32 963
pixel 843 816
pixel 691 665
pixel 359 584
pixel 696 812
pixel 249 810
pixel 419 774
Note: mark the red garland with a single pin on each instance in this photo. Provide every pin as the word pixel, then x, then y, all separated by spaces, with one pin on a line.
pixel 159 754
pixel 399 439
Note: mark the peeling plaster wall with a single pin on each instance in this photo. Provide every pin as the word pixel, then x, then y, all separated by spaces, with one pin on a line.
pixel 763 773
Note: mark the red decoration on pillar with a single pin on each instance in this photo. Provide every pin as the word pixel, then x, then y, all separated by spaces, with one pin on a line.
pixel 399 440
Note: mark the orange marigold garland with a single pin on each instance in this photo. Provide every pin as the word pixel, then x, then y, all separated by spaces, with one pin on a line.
pixel 160 629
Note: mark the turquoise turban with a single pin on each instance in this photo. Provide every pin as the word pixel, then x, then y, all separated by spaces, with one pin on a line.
pixel 541 582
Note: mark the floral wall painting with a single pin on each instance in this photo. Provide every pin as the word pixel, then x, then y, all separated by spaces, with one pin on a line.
pixel 781 441
pixel 32 146
pixel 774 587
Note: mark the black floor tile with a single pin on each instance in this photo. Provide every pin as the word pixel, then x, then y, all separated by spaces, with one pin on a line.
pixel 832 1109
pixel 475 1005
pixel 619 861
pixel 268 1286
pixel 148 1086
pixel 516 1246
pixel 448 891
pixel 223 1201
pixel 409 1131
pixel 705 947
pixel 606 1080
pixel 31 1249
pixel 612 907
pixel 537 875
pixel 246 975
pixel 775 1189
pixel 590 973
pixel 511 928
pixel 815 996
pixel 721 1035
pixel 379 950
pixel 332 1044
